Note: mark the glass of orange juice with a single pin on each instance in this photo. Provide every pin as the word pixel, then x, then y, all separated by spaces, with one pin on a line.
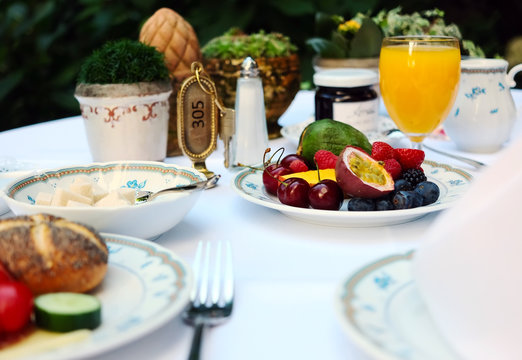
pixel 419 79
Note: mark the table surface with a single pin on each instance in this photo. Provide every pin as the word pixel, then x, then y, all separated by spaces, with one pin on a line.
pixel 287 272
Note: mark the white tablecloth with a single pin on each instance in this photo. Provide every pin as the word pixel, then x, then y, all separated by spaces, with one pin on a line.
pixel 287 272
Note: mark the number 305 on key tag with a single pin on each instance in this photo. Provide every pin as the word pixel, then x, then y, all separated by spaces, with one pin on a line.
pixel 198 118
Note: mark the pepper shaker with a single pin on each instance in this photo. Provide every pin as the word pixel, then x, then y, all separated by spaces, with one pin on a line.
pixel 251 137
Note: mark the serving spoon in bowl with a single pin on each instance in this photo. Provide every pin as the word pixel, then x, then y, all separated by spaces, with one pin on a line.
pixel 144 196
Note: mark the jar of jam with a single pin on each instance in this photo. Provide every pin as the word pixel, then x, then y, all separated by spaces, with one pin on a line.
pixel 349 96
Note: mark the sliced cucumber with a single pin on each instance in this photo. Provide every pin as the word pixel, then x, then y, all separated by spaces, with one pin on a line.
pixel 62 312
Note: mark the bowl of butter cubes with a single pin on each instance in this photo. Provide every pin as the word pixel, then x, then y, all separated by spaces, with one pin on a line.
pixel 103 195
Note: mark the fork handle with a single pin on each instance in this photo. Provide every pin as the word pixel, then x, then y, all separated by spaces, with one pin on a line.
pixel 196 342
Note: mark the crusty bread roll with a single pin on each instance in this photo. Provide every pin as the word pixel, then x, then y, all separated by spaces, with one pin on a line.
pixel 51 254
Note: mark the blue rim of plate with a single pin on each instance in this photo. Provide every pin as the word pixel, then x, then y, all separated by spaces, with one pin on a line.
pixel 347 309
pixel 453 182
pixel 169 299
pixel 367 309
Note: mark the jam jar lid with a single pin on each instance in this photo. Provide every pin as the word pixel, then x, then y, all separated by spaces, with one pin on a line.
pixel 345 78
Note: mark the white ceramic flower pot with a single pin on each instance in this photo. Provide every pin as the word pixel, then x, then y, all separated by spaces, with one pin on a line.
pixel 125 121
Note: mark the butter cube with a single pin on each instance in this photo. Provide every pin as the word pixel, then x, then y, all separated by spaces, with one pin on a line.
pixel 98 192
pixel 43 198
pixel 82 187
pixel 62 196
pixel 59 198
pixel 76 204
pixel 114 198
pixel 129 194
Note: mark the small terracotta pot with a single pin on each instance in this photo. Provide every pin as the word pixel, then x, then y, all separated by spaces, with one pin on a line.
pixel 125 121
pixel 281 79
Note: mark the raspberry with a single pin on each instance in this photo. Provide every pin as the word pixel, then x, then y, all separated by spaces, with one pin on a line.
pixel 414 176
pixel 325 159
pixel 298 166
pixel 409 158
pixel 393 167
pixel 382 151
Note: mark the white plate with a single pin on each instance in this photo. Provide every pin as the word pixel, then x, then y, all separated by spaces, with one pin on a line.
pixel 146 285
pixel 384 123
pixel 452 183
pixel 380 309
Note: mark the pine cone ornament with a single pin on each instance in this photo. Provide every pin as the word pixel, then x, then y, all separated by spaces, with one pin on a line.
pixel 172 35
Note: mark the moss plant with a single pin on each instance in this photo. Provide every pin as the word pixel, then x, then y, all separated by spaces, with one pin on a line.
pixel 123 62
pixel 235 44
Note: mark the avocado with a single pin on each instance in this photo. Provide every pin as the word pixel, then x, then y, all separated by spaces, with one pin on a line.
pixel 331 135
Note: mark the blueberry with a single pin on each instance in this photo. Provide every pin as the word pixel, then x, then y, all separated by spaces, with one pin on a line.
pixel 416 199
pixel 429 191
pixel 402 184
pixel 406 200
pixel 383 204
pixel 361 204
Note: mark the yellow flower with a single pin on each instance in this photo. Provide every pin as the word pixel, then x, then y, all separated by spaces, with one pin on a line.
pixel 349 26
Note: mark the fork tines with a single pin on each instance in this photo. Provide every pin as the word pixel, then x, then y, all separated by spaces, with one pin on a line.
pixel 214 282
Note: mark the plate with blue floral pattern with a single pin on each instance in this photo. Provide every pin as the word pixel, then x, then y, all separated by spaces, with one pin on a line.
pixel 146 285
pixel 381 310
pixel 452 182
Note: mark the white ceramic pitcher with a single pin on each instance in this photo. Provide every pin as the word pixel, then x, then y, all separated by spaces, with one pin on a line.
pixel 484 112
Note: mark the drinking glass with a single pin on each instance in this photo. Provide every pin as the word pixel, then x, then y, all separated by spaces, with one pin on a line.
pixel 419 78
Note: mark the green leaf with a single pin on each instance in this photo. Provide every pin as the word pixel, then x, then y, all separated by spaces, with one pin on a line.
pixel 341 41
pixel 326 48
pixel 324 25
pixel 367 41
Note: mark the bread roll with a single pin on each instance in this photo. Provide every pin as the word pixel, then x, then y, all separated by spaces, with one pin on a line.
pixel 51 254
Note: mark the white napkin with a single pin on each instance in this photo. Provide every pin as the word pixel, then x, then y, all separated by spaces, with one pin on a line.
pixel 469 267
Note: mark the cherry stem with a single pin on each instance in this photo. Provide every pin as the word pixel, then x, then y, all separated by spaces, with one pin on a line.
pixel 318 171
pixel 249 167
pixel 264 155
pixel 281 149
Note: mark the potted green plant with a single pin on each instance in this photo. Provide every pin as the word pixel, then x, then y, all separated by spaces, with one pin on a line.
pixel 356 42
pixel 123 90
pixel 276 58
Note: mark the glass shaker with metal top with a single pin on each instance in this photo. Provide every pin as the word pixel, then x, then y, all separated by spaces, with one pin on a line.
pixel 251 137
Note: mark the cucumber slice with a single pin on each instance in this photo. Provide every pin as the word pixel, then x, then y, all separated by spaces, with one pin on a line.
pixel 63 312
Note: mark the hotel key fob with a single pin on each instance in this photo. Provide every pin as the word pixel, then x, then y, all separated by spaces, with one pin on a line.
pixel 198 117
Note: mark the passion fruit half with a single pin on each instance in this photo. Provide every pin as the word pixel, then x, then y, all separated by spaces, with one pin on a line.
pixel 359 175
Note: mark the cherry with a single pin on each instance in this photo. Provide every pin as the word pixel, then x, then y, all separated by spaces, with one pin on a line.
pixel 288 159
pixel 326 195
pixel 294 192
pixel 271 177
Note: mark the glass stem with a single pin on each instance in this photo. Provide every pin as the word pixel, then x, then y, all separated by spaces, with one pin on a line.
pixel 416 145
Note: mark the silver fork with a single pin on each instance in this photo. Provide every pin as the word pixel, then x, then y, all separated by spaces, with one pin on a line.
pixel 212 296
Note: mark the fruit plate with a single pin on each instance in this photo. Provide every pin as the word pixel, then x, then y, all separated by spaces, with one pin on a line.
pixel 146 286
pixel 451 181
pixel 381 310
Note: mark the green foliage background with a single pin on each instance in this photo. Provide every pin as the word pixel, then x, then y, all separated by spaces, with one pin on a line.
pixel 44 42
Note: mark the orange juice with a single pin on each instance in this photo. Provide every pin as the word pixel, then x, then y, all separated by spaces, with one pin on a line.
pixel 419 85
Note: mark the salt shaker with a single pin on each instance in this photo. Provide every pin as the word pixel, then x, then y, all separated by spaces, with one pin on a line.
pixel 251 137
